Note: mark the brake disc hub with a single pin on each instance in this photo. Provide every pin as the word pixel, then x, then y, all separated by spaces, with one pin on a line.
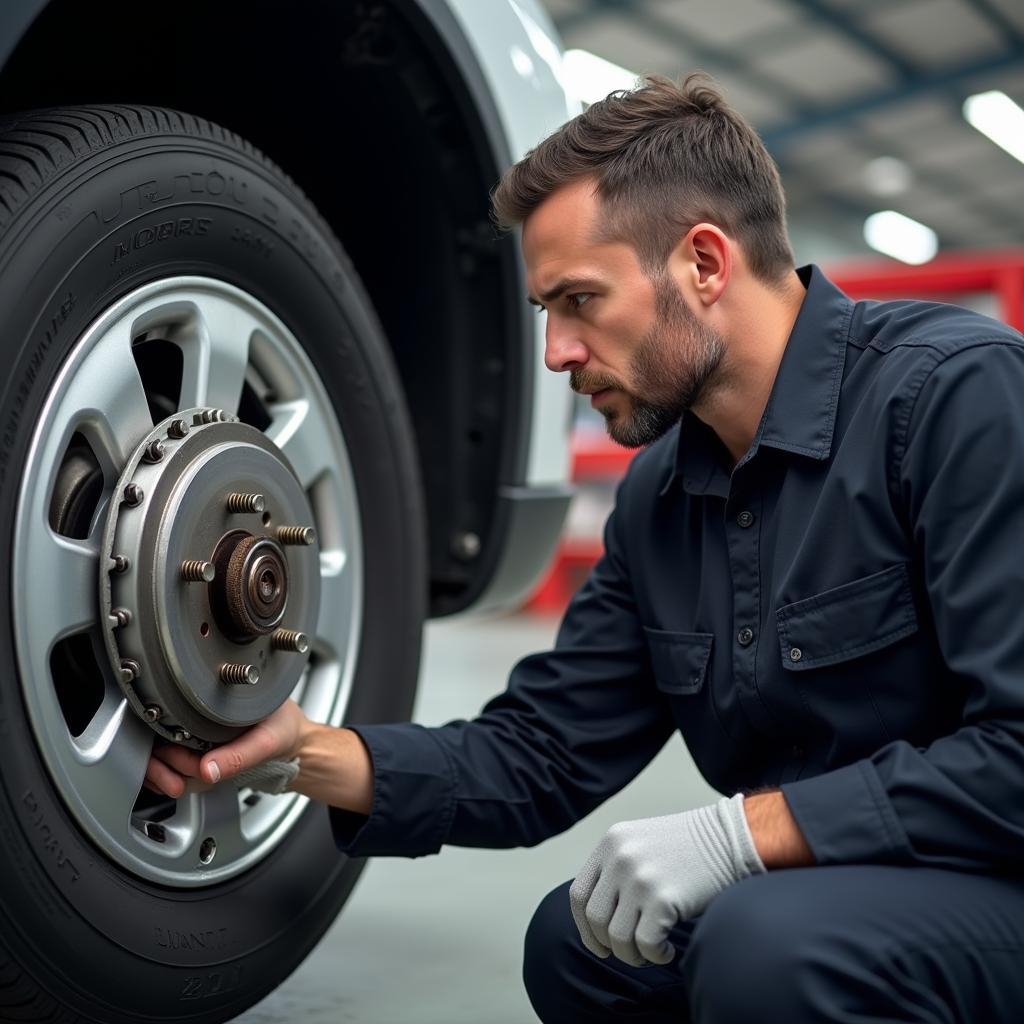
pixel 210 577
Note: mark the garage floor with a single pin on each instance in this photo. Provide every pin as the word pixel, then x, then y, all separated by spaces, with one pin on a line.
pixel 438 940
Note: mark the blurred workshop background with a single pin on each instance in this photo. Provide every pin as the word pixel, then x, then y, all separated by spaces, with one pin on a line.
pixel 897 128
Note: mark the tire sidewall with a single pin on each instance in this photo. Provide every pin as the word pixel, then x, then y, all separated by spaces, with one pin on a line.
pixel 141 210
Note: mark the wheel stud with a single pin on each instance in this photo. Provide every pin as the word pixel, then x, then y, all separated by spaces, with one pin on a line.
pixel 130 670
pixel 152 713
pixel 245 503
pixel 120 617
pixel 154 451
pixel 296 535
pixel 178 429
pixel 122 563
pixel 133 495
pixel 240 674
pixel 180 735
pixel 289 640
pixel 197 571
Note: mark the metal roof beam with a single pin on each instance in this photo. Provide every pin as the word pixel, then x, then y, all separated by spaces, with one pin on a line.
pixel 842 113
pixel 999 21
pixel 852 31
pixel 702 53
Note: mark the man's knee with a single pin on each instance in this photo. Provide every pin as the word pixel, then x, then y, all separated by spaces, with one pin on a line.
pixel 546 949
pixel 760 952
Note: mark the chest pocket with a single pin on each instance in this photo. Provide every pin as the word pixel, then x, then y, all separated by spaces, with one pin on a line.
pixel 679 660
pixel 847 621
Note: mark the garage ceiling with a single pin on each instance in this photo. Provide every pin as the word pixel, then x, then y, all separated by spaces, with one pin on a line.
pixel 834 84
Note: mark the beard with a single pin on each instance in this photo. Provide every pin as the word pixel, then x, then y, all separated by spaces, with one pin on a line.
pixel 670 369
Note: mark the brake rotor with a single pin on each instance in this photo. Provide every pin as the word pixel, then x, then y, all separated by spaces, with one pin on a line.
pixel 209 578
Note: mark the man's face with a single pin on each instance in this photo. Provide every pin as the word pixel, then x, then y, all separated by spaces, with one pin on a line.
pixel 630 342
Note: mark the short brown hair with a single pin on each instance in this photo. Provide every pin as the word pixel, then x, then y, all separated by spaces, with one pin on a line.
pixel 665 156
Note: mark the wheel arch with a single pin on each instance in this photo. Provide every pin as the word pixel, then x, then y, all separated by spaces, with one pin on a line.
pixel 379 113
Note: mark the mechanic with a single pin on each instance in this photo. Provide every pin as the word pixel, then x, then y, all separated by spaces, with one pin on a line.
pixel 814 571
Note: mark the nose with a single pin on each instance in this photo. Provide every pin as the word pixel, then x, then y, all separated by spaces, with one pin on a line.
pixel 564 350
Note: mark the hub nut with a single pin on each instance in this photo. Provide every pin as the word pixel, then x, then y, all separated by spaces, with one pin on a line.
pixel 154 451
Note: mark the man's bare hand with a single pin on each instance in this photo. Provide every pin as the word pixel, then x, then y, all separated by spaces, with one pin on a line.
pixel 278 737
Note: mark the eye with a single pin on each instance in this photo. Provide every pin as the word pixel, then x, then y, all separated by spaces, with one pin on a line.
pixel 577 299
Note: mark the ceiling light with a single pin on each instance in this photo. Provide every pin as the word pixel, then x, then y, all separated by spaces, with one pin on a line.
pixel 994 114
pixel 591 78
pixel 901 237
pixel 887 176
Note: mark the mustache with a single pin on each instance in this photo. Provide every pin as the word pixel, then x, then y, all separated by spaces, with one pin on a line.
pixel 587 382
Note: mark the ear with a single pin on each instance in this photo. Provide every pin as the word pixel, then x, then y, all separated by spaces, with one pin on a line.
pixel 704 258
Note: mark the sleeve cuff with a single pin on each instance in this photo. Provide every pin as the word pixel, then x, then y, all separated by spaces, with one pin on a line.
pixel 413 795
pixel 846 817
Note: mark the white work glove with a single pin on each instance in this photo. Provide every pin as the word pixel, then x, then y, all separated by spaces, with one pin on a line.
pixel 648 874
pixel 269 777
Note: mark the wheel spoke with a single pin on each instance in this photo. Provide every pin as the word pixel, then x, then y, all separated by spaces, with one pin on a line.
pixel 106 402
pixel 298 429
pixel 64 598
pixel 109 764
pixel 334 620
pixel 207 814
pixel 215 355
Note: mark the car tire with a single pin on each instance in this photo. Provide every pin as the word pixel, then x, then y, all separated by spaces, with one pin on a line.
pixel 96 204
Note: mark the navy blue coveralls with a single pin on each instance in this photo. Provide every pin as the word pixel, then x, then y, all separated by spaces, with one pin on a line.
pixel 840 615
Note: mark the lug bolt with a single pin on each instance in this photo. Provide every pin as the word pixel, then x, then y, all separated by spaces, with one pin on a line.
pixel 296 535
pixel 122 563
pixel 120 617
pixel 245 503
pixel 247 674
pixel 133 495
pixel 130 670
pixel 178 429
pixel 152 713
pixel 154 451
pixel 466 546
pixel 197 571
pixel 289 640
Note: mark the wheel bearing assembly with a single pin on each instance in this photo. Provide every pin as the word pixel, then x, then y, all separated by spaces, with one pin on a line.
pixel 208 578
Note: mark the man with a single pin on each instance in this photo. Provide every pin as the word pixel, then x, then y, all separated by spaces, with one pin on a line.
pixel 814 571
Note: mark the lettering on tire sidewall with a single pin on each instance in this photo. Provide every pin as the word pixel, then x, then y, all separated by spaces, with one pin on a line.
pixel 211 984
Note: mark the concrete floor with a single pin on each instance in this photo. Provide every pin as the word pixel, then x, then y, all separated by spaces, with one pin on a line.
pixel 438 940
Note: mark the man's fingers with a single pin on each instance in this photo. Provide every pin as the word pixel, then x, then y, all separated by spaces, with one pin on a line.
pixel 652 936
pixel 251 748
pixel 183 760
pixel 622 931
pixel 579 896
pixel 601 909
pixel 163 779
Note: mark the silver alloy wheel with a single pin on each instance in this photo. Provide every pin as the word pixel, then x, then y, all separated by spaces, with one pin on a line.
pixel 226 338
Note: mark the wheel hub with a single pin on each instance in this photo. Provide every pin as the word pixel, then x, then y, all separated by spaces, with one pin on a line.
pixel 210 578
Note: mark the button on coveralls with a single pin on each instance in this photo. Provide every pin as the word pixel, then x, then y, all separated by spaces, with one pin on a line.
pixel 840 616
